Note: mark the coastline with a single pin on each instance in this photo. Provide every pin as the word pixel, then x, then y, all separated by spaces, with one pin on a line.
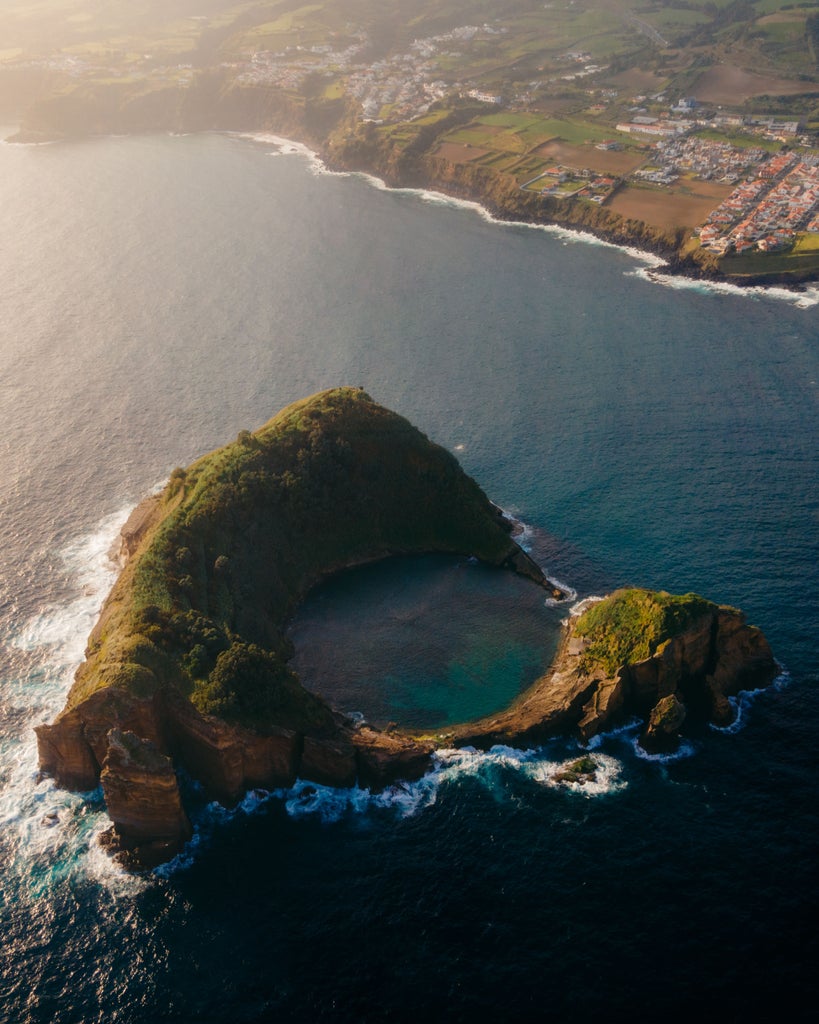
pixel 658 267
pixel 498 202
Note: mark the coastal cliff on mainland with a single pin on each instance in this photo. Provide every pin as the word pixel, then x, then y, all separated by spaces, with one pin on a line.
pixel 188 663
pixel 334 129
pixel 361 147
pixel 333 126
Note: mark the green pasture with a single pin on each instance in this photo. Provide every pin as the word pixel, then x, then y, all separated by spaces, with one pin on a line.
pixel 763 7
pixel 334 90
pixel 741 140
pixel 512 149
pixel 433 117
pixel 709 3
pixel 750 264
pixel 573 132
pixel 782 31
pixel 806 243
pixel 534 131
pixel 669 19
pixel 287 22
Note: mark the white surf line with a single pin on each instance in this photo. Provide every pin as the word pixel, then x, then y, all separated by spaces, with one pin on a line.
pixel 52 832
pixel 651 272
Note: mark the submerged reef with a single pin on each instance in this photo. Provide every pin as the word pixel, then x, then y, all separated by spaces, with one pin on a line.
pixel 188 663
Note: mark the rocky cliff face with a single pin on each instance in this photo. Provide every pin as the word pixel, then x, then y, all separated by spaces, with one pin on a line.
pixel 131 747
pixel 693 672
pixel 142 797
pixel 418 165
pixel 135 743
pixel 333 128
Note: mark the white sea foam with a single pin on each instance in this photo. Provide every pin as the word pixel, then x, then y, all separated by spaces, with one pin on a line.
pixel 431 196
pixel 579 607
pixel 524 535
pixel 306 799
pixel 685 749
pixel 805 299
pixel 522 531
pixel 607 775
pixel 624 730
pixel 92 567
pixel 99 865
pixel 494 769
pixel 629 732
pixel 52 833
pixel 744 700
pixel 570 592
pixel 27 145
pixel 286 147
pixel 329 805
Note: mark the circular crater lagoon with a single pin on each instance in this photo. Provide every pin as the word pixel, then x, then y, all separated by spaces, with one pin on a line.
pixel 424 642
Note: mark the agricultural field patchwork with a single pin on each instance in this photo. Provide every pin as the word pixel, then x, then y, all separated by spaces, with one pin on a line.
pixel 571 98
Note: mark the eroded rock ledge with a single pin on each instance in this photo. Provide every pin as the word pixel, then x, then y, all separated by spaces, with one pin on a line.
pixel 187 665
pixel 636 652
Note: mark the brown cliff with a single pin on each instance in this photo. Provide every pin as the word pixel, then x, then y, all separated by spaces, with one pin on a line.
pixel 712 655
pixel 143 801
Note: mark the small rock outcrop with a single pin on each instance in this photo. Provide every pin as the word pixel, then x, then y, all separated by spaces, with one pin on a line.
pixel 636 652
pixel 664 724
pixel 579 772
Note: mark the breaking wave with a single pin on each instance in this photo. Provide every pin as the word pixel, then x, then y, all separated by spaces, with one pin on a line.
pixel 498 770
pixel 806 298
pixel 745 699
pixel 49 833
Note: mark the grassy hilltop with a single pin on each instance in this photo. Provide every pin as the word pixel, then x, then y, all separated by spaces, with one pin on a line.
pixel 237 539
pixel 632 625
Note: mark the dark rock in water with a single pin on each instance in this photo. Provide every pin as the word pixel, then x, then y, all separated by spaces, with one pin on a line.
pixel 664 724
pixel 387 757
pixel 142 797
pixel 583 770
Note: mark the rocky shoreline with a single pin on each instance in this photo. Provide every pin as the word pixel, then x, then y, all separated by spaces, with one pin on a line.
pixel 186 666
pixel 700 667
pixel 132 747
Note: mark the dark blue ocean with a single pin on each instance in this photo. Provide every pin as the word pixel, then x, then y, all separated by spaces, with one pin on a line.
pixel 159 294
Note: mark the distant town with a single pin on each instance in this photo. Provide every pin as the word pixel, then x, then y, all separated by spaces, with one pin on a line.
pixel 697 117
